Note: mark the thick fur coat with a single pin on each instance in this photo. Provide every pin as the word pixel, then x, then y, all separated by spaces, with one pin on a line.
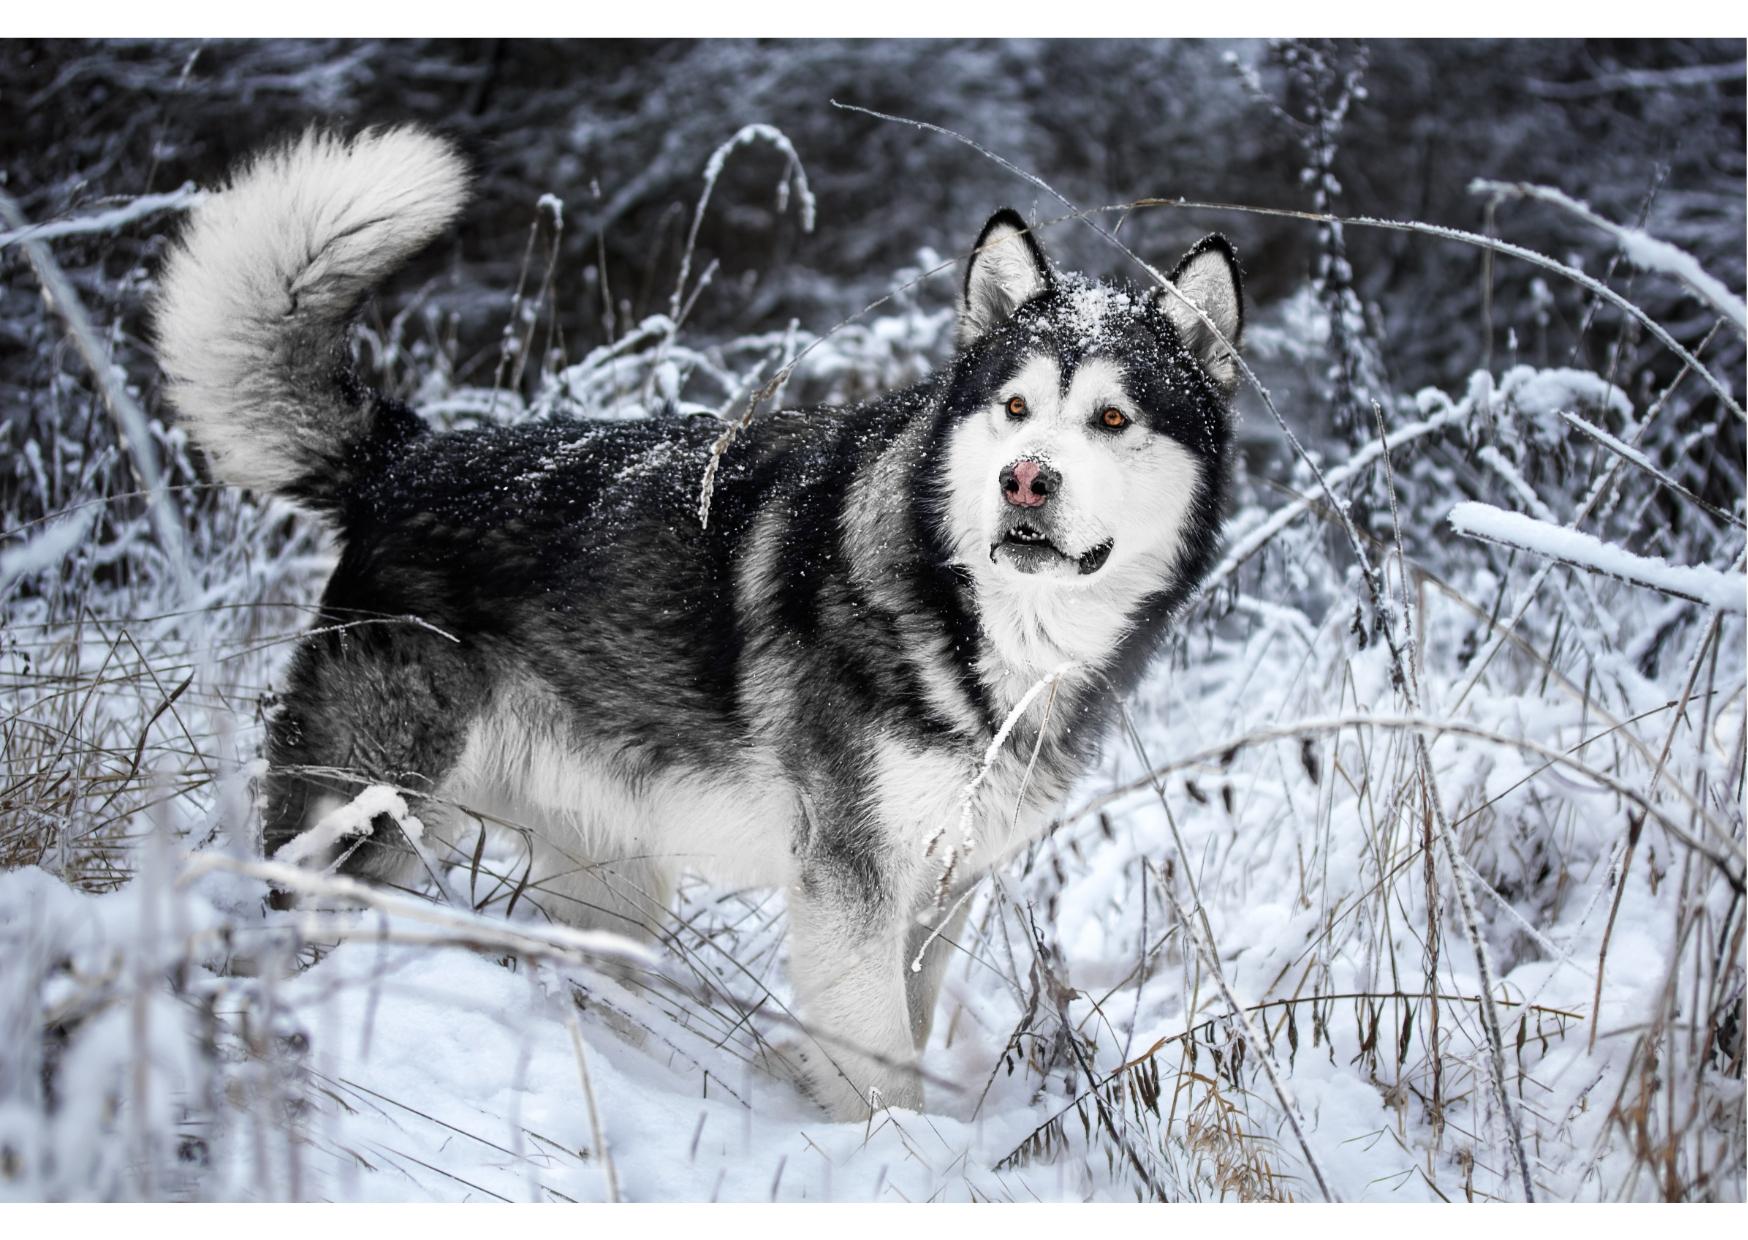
pixel 804 692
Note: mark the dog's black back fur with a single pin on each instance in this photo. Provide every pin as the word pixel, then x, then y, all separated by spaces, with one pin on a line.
pixel 574 550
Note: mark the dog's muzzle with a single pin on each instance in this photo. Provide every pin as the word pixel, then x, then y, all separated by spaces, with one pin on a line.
pixel 1029 548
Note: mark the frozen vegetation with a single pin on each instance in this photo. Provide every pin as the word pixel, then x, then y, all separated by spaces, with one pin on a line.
pixel 1415 870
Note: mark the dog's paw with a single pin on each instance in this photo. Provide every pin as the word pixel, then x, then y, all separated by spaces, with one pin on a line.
pixel 830 1087
pixel 821 1081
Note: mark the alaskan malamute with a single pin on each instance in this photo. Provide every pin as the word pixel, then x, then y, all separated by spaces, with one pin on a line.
pixel 868 678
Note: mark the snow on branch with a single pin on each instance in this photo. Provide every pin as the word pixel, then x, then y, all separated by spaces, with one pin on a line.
pixel 1640 461
pixel 1644 251
pixel 1698 583
pixel 532 940
pixel 793 175
pixel 123 407
pixel 355 818
pixel 47 549
pixel 106 221
pixel 1682 76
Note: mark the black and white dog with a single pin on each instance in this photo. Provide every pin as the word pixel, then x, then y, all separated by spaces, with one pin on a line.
pixel 869 678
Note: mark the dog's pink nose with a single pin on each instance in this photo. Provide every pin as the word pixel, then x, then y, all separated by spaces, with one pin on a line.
pixel 1028 483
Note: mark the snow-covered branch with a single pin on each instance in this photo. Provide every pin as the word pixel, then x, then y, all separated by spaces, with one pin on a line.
pixel 119 216
pixel 1698 583
pixel 1644 251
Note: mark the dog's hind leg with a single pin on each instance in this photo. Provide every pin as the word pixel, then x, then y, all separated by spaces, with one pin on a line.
pixel 363 707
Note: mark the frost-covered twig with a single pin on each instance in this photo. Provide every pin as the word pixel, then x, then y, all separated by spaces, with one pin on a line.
pixel 1697 583
pixel 1644 251
pixel 1678 77
pixel 1639 460
pixel 533 940
pixel 679 303
pixel 968 796
pixel 795 173
pixel 610 1173
pixel 1499 463
pixel 135 430
pixel 355 818
pixel 509 347
pixel 119 216
pixel 48 548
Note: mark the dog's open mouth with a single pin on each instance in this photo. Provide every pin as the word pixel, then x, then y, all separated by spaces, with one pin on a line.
pixel 1030 550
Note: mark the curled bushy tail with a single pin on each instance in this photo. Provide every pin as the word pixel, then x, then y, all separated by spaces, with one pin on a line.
pixel 257 295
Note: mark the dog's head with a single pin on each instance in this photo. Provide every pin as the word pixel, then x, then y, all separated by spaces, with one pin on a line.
pixel 1088 423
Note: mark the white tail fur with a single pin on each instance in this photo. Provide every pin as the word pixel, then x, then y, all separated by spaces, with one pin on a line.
pixel 256 296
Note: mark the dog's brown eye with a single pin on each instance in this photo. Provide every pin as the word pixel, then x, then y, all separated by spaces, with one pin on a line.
pixel 1114 418
pixel 1016 406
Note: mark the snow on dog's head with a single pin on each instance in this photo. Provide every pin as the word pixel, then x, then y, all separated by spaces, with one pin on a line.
pixel 1088 426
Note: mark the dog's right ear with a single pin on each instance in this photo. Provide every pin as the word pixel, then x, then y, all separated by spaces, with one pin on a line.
pixel 1007 268
pixel 1208 277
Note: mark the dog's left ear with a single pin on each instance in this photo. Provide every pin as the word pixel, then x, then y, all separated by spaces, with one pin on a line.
pixel 1007 268
pixel 1208 276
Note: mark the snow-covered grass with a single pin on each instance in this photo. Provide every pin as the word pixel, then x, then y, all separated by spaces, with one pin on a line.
pixel 1398 881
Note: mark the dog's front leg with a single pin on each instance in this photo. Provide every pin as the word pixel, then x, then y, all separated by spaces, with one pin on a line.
pixel 846 951
pixel 930 946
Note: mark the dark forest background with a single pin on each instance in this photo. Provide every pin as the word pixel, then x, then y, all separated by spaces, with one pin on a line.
pixel 1646 132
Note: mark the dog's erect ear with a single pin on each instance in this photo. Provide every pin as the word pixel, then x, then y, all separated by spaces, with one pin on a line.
pixel 1208 276
pixel 1007 267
